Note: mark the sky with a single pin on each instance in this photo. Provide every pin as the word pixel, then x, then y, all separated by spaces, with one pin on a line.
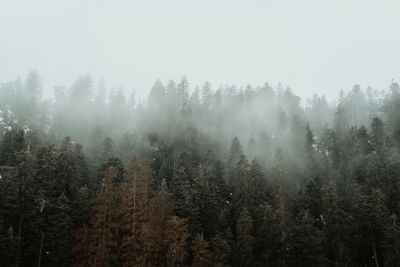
pixel 312 46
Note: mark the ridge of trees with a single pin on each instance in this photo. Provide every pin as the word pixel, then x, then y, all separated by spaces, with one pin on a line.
pixel 202 177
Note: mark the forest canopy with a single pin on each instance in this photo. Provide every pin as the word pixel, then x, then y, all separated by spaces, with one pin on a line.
pixel 198 176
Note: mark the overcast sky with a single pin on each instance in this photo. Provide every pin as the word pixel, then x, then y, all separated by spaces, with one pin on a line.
pixel 313 46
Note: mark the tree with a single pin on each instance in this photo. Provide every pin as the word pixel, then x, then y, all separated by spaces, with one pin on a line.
pixel 372 218
pixel 97 244
pixel 268 246
pixel 241 186
pixel 12 143
pixel 156 96
pixel 33 87
pixel 180 185
pixel 81 90
pixel 206 203
pixel 377 135
pixel 100 98
pixel 306 243
pixel 389 177
pixel 391 243
pixel 334 229
pixel 177 234
pixel 135 221
pixel 258 187
pixel 183 94
pixel 244 240
pixel 310 198
pixel 280 191
pixel 201 253
pixel 130 226
pixel 235 152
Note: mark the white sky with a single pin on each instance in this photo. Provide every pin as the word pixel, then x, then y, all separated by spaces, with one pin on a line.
pixel 314 46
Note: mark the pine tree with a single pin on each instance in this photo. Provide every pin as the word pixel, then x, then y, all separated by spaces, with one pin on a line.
pixel 372 217
pixel 176 233
pixel 205 203
pixel 100 97
pixel 244 240
pixel 235 152
pixel 133 223
pixel 201 253
pixel 268 246
pixel 156 97
pixel 389 178
pixel 334 229
pixel 183 94
pixel 12 143
pixel 258 187
pixel 377 135
pixel 306 243
pixel 100 239
pixel 221 248
pixel 391 243
pixel 281 203
pixel 241 186
pixel 180 185
pixel 33 87
pixel 81 90
pixel 56 226
pixel 310 198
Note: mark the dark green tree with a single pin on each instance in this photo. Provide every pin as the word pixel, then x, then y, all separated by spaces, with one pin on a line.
pixel 244 240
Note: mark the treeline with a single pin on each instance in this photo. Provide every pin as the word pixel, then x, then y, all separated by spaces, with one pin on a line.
pixel 198 177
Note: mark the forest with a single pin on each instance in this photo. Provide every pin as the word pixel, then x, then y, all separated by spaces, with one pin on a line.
pixel 198 176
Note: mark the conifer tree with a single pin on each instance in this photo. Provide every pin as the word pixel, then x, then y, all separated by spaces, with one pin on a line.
pixel 201 253
pixel 244 240
pixel 373 217
pixel 334 229
pixel 391 243
pixel 268 246
pixel 177 235
pixel 281 203
pixel 241 186
pixel 257 187
pixel 306 243
pixel 98 243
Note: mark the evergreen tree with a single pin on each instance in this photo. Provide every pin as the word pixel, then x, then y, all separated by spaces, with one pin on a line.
pixel 377 135
pixel 334 228
pixel 81 90
pixel 201 254
pixel 156 97
pixel 258 187
pixel 391 243
pixel 282 204
pixel 98 243
pixel 372 217
pixel 268 246
pixel 183 94
pixel 306 243
pixel 244 240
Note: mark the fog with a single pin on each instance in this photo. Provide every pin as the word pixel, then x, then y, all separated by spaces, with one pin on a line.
pixel 207 133
pixel 312 46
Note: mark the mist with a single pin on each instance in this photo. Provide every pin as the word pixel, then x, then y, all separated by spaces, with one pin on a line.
pixel 312 46
pixel 196 134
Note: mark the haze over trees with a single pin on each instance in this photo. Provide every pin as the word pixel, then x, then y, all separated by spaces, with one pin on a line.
pixel 198 176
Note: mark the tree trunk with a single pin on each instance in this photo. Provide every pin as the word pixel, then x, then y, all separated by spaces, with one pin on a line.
pixel 21 218
pixel 40 250
pixel 375 255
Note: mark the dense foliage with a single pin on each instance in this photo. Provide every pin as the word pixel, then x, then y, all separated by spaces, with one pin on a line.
pixel 198 177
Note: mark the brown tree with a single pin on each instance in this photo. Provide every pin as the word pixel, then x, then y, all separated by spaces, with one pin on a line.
pixel 97 244
pixel 176 236
pixel 130 226
pixel 201 253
